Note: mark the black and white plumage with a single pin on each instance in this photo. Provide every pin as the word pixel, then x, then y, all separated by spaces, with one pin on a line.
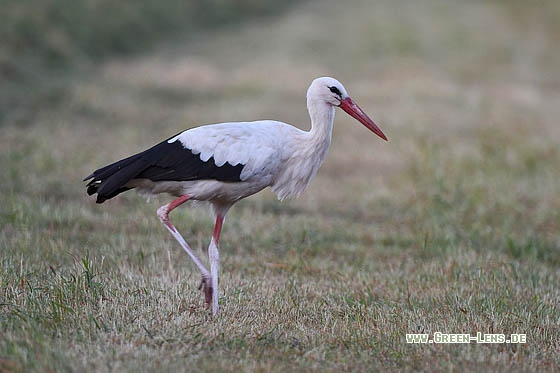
pixel 223 163
pixel 166 161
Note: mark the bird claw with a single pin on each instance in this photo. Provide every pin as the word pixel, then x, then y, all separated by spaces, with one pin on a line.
pixel 206 286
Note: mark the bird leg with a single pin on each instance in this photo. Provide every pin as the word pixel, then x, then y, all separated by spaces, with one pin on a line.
pixel 214 257
pixel 163 214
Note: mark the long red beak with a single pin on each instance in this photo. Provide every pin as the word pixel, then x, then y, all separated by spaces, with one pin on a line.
pixel 357 113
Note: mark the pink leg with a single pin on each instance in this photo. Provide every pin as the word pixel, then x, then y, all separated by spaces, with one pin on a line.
pixel 163 214
pixel 214 257
pixel 218 228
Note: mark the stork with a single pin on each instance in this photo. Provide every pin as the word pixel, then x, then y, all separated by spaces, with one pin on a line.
pixel 226 162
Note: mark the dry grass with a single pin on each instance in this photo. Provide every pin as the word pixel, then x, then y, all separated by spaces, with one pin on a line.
pixel 452 226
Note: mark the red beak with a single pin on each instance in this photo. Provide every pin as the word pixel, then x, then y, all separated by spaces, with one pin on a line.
pixel 357 113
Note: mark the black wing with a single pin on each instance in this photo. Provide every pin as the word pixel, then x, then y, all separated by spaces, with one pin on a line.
pixel 163 162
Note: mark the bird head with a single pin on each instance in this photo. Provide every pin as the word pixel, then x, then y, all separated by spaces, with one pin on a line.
pixel 331 92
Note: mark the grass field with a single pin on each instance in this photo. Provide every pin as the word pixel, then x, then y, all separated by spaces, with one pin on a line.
pixel 451 226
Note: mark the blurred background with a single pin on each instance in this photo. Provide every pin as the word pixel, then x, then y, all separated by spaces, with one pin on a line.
pixel 45 38
pixel 468 93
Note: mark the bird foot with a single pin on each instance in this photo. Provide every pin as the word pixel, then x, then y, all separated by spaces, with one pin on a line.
pixel 206 286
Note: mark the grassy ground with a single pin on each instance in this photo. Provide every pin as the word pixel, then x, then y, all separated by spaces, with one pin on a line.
pixel 451 226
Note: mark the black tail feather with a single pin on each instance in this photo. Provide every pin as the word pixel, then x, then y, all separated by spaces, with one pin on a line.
pixel 111 180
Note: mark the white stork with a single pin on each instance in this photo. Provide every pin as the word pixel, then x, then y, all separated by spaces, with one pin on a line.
pixel 223 163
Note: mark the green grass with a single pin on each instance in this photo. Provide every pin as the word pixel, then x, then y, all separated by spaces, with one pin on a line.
pixel 451 226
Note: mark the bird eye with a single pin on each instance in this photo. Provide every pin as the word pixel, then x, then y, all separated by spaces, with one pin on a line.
pixel 335 90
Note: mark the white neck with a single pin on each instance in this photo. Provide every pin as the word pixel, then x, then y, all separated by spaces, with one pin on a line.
pixel 312 150
pixel 322 119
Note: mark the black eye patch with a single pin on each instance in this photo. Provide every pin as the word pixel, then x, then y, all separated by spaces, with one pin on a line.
pixel 335 90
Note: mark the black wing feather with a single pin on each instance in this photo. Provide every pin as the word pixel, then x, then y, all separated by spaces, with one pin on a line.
pixel 163 162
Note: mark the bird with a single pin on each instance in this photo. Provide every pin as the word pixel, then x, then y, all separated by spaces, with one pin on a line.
pixel 226 162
